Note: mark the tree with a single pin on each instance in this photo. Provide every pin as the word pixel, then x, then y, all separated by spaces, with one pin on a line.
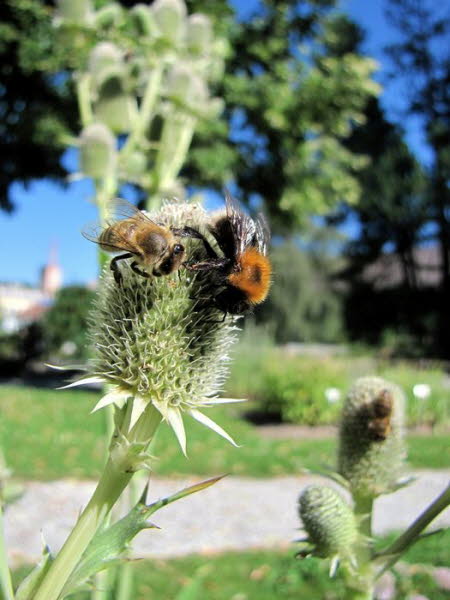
pixel 422 58
pixel 293 86
pixel 392 211
pixel 37 110
pixel 66 321
pixel 303 305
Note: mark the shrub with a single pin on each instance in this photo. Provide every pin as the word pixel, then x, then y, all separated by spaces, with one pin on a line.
pixel 427 392
pixel 305 391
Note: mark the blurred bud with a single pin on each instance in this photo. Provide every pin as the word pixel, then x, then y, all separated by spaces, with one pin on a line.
pixel 97 151
pixel 74 12
pixel 115 107
pixel 143 20
pixel 187 88
pixel 170 15
pixel 199 34
pixel 102 58
pixel 135 164
pixel 213 108
pixel 371 449
pixel 329 522
pixel 108 16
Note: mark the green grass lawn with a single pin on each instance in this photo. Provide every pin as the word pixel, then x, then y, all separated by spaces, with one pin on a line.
pixel 48 434
pixel 270 575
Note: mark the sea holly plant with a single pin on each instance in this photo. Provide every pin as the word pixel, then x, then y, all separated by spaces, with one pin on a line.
pixel 161 350
pixel 141 78
pixel 370 462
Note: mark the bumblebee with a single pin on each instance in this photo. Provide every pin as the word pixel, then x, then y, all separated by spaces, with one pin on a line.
pixel 155 248
pixel 243 274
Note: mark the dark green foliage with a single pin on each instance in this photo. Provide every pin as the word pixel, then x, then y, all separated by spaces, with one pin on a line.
pixel 421 55
pixel 37 108
pixel 302 304
pixel 66 321
pixel 287 111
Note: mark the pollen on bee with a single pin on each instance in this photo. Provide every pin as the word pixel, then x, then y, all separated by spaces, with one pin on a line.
pixel 253 278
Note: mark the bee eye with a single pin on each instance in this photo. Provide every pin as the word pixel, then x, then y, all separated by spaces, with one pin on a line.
pixel 178 249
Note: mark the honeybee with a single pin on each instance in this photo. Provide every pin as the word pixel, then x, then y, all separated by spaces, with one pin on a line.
pixel 155 248
pixel 244 271
pixel 380 413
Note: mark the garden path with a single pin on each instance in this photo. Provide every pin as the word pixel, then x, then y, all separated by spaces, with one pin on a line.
pixel 234 514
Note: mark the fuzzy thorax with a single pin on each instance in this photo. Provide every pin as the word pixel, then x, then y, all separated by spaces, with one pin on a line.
pixel 253 278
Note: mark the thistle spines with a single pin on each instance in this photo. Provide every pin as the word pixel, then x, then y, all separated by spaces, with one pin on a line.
pixel 329 522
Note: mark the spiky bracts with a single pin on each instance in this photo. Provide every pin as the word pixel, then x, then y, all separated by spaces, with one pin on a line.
pixel 371 447
pixel 158 341
pixel 330 524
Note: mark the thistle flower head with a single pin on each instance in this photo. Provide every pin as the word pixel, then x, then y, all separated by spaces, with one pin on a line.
pixel 371 449
pixel 330 524
pixel 156 341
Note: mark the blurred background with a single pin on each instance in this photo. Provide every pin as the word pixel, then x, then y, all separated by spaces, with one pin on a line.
pixel 333 118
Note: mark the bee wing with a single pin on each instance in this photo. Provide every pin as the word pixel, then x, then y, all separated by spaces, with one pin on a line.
pixel 262 233
pixel 119 208
pixel 242 226
pixel 114 243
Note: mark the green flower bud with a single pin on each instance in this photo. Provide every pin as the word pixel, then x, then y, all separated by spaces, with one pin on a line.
pixel 98 155
pixel 115 107
pixel 135 164
pixel 70 12
pixel 170 16
pixel 143 21
pixel 108 15
pixel 199 34
pixel 156 342
pixel 371 447
pixel 329 522
pixel 186 88
pixel 104 56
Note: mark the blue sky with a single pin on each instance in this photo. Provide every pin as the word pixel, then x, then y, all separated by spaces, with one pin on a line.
pixel 47 215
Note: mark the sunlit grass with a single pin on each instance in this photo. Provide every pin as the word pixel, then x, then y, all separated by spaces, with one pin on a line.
pixel 270 574
pixel 48 434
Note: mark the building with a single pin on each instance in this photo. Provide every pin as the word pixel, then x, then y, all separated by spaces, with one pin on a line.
pixel 21 305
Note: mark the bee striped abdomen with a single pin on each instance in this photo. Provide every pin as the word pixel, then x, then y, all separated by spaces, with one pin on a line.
pixel 253 278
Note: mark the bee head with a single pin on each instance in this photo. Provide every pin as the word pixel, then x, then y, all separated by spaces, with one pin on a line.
pixel 171 261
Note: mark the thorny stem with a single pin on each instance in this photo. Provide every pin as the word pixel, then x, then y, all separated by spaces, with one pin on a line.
pixel 410 536
pixel 111 485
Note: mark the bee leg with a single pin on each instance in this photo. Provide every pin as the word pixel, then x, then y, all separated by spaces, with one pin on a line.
pixel 207 265
pixel 115 267
pixel 135 267
pixel 193 233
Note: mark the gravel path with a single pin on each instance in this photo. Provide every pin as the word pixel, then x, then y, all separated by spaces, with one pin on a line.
pixel 235 513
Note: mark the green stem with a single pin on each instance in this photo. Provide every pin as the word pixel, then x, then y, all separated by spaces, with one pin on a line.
pixel 125 582
pixel 360 580
pixel 83 96
pixel 111 485
pixel 410 536
pixel 175 140
pixel 5 576
pixel 145 111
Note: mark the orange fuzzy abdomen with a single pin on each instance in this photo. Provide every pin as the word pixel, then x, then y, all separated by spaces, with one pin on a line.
pixel 253 277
